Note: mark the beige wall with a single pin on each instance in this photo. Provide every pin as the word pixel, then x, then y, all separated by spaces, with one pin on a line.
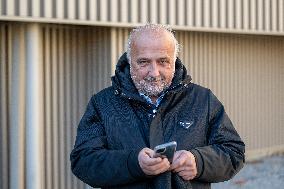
pixel 238 16
pixel 245 72
pixel 75 63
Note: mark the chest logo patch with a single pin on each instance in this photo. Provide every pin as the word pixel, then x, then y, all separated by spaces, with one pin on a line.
pixel 186 124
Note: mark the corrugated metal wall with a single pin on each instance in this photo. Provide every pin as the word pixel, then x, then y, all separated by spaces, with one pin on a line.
pixel 246 72
pixel 250 16
pixel 12 102
pixel 75 63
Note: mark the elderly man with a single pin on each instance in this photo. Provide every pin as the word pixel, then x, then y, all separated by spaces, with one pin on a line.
pixel 153 101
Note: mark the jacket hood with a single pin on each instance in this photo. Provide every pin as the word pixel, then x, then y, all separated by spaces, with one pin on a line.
pixel 122 81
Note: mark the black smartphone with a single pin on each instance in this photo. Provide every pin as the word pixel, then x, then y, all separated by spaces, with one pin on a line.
pixel 166 150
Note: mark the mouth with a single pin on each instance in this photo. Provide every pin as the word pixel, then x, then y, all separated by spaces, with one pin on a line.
pixel 154 82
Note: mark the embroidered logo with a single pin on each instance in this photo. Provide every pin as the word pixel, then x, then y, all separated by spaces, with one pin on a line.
pixel 186 124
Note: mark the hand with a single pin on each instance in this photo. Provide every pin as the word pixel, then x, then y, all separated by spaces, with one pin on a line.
pixel 150 165
pixel 184 164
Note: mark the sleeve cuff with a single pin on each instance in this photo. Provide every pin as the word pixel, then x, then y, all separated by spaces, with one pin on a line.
pixel 133 165
pixel 199 162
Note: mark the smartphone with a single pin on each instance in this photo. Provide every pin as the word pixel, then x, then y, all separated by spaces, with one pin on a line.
pixel 166 150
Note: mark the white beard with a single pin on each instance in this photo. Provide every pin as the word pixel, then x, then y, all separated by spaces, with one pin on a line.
pixel 148 85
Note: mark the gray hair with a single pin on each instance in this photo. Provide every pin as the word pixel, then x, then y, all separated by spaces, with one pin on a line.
pixel 154 27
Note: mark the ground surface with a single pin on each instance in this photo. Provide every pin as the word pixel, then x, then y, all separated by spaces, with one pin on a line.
pixel 267 173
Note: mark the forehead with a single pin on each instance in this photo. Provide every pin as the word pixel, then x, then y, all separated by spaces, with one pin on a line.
pixel 149 41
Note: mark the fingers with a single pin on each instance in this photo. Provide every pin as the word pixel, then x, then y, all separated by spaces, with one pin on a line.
pixel 184 168
pixel 184 164
pixel 148 152
pixel 152 166
pixel 157 168
pixel 151 161
pixel 187 175
pixel 177 154
pixel 179 160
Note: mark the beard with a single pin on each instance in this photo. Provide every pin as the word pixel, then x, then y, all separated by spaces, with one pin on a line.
pixel 151 86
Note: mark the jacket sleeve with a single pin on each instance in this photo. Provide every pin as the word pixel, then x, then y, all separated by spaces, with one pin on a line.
pixel 224 155
pixel 92 161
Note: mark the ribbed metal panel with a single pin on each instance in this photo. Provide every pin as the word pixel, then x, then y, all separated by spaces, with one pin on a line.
pixel 12 87
pixel 238 16
pixel 75 64
pixel 4 106
pixel 119 38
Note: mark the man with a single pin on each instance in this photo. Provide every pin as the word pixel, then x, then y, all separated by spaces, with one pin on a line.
pixel 152 101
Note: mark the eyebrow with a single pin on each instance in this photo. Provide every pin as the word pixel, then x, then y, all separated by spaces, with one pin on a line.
pixel 147 59
pixel 141 59
pixel 164 58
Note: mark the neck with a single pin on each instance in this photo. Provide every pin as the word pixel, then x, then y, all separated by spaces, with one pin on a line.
pixel 154 98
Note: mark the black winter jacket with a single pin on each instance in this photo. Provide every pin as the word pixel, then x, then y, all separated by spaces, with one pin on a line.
pixel 118 123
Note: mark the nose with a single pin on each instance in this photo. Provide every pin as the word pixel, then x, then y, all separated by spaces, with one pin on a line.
pixel 154 70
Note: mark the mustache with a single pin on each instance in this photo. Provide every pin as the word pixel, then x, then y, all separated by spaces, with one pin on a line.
pixel 153 79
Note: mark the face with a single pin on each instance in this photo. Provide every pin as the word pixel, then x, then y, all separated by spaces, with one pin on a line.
pixel 152 62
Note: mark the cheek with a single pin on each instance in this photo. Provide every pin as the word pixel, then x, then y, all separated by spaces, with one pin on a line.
pixel 168 73
pixel 139 73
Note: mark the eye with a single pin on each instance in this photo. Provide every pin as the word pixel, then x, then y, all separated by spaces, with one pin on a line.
pixel 164 61
pixel 142 62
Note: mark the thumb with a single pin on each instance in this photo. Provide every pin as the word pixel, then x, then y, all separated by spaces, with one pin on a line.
pixel 148 152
